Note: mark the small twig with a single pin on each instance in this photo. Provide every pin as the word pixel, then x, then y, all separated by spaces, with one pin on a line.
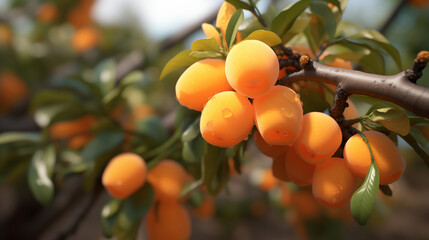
pixel 416 71
pixel 340 104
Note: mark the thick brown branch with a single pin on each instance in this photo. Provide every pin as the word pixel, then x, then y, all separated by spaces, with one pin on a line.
pixel 396 88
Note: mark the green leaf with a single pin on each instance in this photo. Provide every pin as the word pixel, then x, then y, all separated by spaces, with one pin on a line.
pixel 363 199
pixel 300 23
pixel 285 19
pixel 101 143
pixel 193 151
pixel 394 119
pixel 182 59
pixel 40 173
pixel 77 85
pixel 414 144
pixel 192 131
pixel 376 41
pixel 322 10
pixel 215 172
pixel 267 37
pixel 136 78
pixel 205 44
pixel 336 3
pixel 232 28
pixel 240 4
pixel 385 189
pixel 109 214
pixel 206 54
pixel 47 96
pixel 47 115
pixel 105 75
pixel 416 119
pixel 152 128
pixel 12 137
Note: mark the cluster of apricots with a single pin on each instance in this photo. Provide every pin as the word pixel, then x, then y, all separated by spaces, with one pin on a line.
pixel 167 218
pixel 240 92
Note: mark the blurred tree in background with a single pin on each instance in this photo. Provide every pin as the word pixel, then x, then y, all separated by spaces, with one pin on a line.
pixel 75 95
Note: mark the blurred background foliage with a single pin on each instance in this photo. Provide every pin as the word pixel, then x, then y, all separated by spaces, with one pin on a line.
pixel 101 61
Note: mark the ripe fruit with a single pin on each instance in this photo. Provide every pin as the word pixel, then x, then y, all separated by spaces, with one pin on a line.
pixel 268 181
pixel 305 205
pixel 67 129
pixel 206 209
pixel 12 90
pixel 84 39
pixel 279 115
pixel 389 160
pixel 6 35
pixel 200 82
pixel 268 149
pixel 279 167
pixel 319 139
pixel 79 141
pixel 124 175
pixel 333 183
pixel 80 15
pixel 168 178
pixel 47 13
pixel 252 68
pixel 299 171
pixel 226 119
pixel 168 221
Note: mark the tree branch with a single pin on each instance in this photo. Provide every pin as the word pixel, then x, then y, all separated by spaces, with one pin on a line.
pixel 396 88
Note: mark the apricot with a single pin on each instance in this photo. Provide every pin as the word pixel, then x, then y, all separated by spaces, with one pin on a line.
pixel 12 90
pixel 278 115
pixel 67 129
pixel 268 149
pixel 84 39
pixel 168 221
pixel 268 181
pixel 299 171
pixel 80 15
pixel 200 82
pixel 168 178
pixel 305 205
pixel 124 175
pixel 47 13
pixel 142 111
pixel 319 139
pixel 6 35
pixel 333 183
pixel 389 160
pixel 79 141
pixel 227 119
pixel 206 209
pixel 252 68
pixel 279 167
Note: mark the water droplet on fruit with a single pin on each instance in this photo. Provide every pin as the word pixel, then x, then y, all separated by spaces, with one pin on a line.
pixel 286 112
pixel 226 113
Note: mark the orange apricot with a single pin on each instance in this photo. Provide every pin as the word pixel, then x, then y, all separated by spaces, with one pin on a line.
pixel 227 119
pixel 279 167
pixel 319 139
pixel 268 149
pixel 299 171
pixel 124 175
pixel 333 183
pixel 252 68
pixel 206 209
pixel 168 178
pixel 278 115
pixel 12 90
pixel 268 181
pixel 305 205
pixel 84 39
pixel 142 111
pixel 168 221
pixel 67 129
pixel 80 15
pixel 47 13
pixel 386 154
pixel 200 82
pixel 79 141
pixel 6 35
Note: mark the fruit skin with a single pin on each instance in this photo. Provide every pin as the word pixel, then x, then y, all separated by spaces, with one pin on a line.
pixel 268 149
pixel 389 160
pixel 279 167
pixel 12 90
pixel 333 183
pixel 319 139
pixel 252 68
pixel 168 178
pixel 278 115
pixel 226 119
pixel 206 209
pixel 299 171
pixel 200 82
pixel 124 175
pixel 168 221
pixel 84 39
pixel 67 129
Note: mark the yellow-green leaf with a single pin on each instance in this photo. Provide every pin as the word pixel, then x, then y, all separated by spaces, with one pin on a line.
pixel 268 37
pixel 394 119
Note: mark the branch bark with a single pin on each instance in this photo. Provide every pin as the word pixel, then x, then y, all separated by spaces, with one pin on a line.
pixel 395 88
